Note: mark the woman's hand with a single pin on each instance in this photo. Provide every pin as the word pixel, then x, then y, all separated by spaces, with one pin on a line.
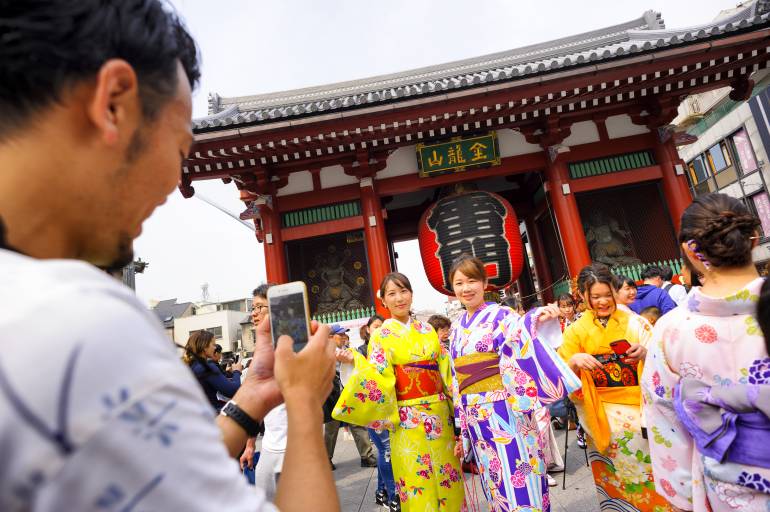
pixel 636 353
pixel 237 367
pixel 584 361
pixel 458 451
pixel 549 311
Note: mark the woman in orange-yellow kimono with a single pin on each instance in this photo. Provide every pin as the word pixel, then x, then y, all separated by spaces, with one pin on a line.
pixel 405 386
pixel 606 347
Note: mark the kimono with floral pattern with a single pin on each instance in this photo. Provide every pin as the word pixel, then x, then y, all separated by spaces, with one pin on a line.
pixel 612 416
pixel 507 428
pixel 716 341
pixel 427 474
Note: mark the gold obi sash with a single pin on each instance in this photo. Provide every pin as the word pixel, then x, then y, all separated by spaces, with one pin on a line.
pixel 478 373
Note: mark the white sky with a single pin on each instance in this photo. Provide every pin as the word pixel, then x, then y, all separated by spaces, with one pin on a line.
pixel 251 47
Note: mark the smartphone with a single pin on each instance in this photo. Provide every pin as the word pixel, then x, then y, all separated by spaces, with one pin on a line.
pixel 620 347
pixel 289 313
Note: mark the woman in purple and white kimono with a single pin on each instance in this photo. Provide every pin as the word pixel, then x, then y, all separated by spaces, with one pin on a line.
pixel 503 377
pixel 706 381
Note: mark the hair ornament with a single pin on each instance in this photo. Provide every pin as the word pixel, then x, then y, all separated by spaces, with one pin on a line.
pixel 695 248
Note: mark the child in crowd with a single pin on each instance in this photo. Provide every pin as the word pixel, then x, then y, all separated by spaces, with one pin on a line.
pixel 651 314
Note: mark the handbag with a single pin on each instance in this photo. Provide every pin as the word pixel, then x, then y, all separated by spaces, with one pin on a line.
pixel 616 370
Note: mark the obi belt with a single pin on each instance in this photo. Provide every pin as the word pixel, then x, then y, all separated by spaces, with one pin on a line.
pixel 727 423
pixel 478 373
pixel 418 379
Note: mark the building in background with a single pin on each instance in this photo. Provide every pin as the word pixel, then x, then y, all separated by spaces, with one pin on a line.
pixel 574 134
pixel 725 145
pixel 226 320
pixel 168 311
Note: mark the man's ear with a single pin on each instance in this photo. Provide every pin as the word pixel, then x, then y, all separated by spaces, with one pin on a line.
pixel 114 107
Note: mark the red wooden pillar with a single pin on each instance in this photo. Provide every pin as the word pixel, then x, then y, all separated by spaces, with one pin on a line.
pixel 565 207
pixel 675 187
pixel 544 277
pixel 275 256
pixel 375 237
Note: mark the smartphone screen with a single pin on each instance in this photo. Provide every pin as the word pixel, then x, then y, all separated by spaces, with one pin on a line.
pixel 287 316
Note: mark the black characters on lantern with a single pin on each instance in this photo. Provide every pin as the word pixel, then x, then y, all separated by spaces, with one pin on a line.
pixel 472 223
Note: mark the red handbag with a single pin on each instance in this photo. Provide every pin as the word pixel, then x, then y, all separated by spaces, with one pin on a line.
pixel 616 370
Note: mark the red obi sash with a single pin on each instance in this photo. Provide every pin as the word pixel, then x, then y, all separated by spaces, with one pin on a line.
pixel 417 380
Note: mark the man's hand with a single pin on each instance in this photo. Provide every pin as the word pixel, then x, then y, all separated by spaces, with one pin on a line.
pixel 306 377
pixel 585 361
pixel 344 356
pixel 237 367
pixel 259 392
pixel 636 353
pixel 247 457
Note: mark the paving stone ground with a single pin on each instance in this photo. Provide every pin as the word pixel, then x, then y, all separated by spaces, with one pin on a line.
pixel 356 485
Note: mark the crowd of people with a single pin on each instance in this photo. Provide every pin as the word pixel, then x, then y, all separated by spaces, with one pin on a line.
pixel 671 386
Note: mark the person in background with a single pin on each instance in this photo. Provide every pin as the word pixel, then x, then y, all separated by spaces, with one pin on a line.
pixel 567 313
pixel 604 347
pixel 514 303
pixel 441 325
pixel 345 369
pixel 95 122
pixel 677 292
pixel 258 314
pixel 199 356
pixel 651 314
pixel 651 293
pixel 626 291
pixel 382 395
pixel 503 375
pixel 366 331
pixel 706 380
pixel 386 485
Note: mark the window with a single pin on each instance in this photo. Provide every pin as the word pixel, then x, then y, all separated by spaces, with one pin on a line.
pixel 730 167
pixel 699 171
pixel 216 331
pixel 744 152
pixel 719 157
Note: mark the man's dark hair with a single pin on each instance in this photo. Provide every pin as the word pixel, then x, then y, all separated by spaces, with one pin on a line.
pixel 261 290
pixel 217 348
pixel 48 46
pixel 652 272
pixel 668 274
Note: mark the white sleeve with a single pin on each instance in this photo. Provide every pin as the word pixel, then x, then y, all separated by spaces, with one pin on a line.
pixel 678 294
pixel 130 428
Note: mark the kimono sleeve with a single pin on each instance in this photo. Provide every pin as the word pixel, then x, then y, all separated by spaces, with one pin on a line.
pixel 553 378
pixel 671 449
pixel 369 398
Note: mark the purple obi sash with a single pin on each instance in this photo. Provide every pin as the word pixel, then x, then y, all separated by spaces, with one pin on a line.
pixel 727 423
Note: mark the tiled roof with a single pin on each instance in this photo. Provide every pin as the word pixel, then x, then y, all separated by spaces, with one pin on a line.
pixel 643 34
pixel 168 310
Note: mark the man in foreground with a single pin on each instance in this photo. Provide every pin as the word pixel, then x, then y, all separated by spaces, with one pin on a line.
pixel 95 107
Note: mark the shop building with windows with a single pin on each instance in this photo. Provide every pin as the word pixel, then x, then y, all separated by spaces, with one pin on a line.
pixel 726 146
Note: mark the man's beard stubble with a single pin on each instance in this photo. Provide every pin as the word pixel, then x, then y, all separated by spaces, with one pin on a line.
pixel 124 250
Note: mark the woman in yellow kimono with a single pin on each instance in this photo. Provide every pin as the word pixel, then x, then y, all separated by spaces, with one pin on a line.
pixel 405 386
pixel 606 347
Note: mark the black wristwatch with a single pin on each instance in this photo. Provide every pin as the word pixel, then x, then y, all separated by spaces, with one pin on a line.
pixel 246 422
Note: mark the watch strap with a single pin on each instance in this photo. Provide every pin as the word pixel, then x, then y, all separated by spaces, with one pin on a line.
pixel 246 422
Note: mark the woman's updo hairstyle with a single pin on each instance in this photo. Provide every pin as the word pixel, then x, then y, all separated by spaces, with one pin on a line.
pixel 721 227
pixel 592 274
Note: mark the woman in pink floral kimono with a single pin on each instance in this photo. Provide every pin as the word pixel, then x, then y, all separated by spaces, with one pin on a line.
pixel 706 381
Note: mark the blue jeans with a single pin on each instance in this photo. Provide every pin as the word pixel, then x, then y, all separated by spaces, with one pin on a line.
pixel 384 470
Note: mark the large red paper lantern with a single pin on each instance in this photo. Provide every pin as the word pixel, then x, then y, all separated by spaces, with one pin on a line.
pixel 481 224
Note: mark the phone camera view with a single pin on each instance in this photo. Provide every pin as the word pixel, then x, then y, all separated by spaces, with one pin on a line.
pixel 287 316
